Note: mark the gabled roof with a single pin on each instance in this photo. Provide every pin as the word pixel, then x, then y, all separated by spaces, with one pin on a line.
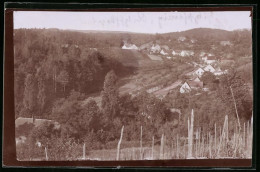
pixel 198 68
pixel 209 66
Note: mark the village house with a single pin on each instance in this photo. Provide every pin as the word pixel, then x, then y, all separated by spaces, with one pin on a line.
pixel 225 43
pixel 191 85
pixel 186 53
pixel 195 78
pixel 163 53
pixel 199 72
pixel 209 59
pixel 209 68
pixel 218 72
pixel 174 53
pixel 145 46
pixel 129 47
pixel 193 41
pixel 155 48
pixel 202 54
pixel 181 39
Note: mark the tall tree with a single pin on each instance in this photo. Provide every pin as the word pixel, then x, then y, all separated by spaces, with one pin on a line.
pixel 240 97
pixel 41 96
pixel 63 78
pixel 110 95
pixel 30 94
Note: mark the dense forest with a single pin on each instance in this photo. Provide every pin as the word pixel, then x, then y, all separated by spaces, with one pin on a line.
pixel 58 72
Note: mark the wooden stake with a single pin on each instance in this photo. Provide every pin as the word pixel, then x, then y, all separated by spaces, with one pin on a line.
pixel 223 135
pixel 46 154
pixel 161 148
pixel 235 108
pixel 209 145
pixel 215 139
pixel 84 152
pixel 141 146
pixel 190 135
pixel 244 136
pixel 119 143
pixel 177 145
pixel 152 147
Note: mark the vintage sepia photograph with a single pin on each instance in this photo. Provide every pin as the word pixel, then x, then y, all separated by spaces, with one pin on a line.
pixel 122 86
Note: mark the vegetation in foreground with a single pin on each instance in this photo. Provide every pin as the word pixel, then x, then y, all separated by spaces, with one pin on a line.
pixel 56 73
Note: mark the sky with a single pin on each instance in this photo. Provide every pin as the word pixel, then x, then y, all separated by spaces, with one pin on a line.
pixel 142 22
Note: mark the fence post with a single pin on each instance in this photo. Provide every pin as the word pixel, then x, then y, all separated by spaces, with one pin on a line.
pixel 161 148
pixel 46 154
pixel 152 146
pixel 118 146
pixel 177 147
pixel 190 135
pixel 223 134
pixel 215 148
pixel 235 108
pixel 84 151
pixel 141 146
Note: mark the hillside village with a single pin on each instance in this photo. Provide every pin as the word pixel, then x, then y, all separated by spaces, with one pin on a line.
pixel 207 62
pixel 82 87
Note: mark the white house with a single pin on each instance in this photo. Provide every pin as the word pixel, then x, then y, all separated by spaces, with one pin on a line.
pixel 218 72
pixel 202 54
pixel 182 38
pixel 186 53
pixel 185 88
pixel 156 48
pixel 225 43
pixel 209 68
pixel 193 41
pixel 130 47
pixel 208 60
pixel 189 85
pixel 197 79
pixel 168 57
pixel 199 72
pixel 174 53
pixel 163 53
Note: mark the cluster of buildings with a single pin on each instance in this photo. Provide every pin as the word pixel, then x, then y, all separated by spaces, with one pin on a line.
pixel 195 83
pixel 208 63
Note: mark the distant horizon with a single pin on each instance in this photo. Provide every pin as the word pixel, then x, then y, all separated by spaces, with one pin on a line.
pixel 135 22
pixel 78 30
